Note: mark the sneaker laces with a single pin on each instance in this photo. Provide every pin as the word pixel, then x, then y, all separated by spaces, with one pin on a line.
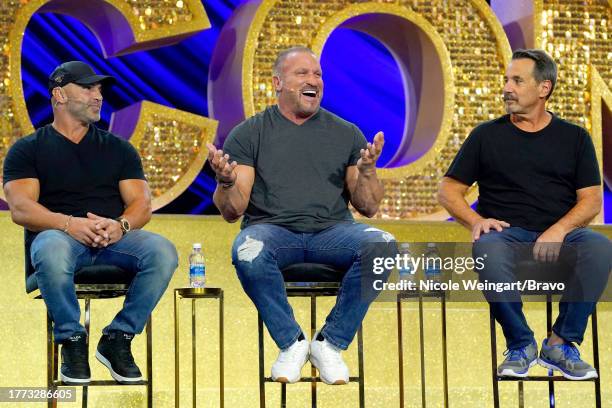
pixel 570 352
pixel 516 354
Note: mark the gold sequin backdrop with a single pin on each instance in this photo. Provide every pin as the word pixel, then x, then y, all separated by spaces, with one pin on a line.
pixel 463 37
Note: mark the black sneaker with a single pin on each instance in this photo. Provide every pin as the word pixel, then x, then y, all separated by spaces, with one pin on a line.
pixel 114 351
pixel 75 361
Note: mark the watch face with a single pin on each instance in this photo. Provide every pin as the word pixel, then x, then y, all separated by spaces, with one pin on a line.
pixel 125 224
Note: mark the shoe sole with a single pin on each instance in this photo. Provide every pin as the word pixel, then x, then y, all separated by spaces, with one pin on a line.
pixel 550 366
pixel 316 364
pixel 117 377
pixel 78 381
pixel 510 373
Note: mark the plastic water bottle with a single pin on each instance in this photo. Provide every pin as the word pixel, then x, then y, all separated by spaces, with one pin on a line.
pixel 197 267
pixel 406 267
pixel 433 263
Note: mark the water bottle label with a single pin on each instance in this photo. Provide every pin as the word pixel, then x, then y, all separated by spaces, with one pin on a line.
pixel 196 270
pixel 196 276
pixel 407 271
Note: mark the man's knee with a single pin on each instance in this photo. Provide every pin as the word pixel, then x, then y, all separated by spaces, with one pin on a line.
pixel 492 245
pixel 373 235
pixel 250 252
pixel 250 245
pixel 51 251
pixel 161 253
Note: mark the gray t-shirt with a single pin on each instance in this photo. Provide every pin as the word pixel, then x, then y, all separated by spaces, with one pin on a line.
pixel 299 169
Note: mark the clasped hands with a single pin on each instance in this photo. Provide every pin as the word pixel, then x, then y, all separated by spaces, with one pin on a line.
pixel 94 231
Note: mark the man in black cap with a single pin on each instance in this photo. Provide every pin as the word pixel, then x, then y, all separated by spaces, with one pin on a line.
pixel 81 194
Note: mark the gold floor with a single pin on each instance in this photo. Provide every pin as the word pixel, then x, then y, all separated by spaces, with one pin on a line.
pixel 22 352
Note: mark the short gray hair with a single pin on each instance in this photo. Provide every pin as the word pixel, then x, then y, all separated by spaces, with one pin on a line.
pixel 282 56
pixel 545 68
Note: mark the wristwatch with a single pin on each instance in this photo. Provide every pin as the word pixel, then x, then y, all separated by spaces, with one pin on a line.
pixel 125 225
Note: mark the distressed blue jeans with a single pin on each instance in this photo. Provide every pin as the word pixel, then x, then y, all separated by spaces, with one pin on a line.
pixel 260 252
pixel 149 257
pixel 591 271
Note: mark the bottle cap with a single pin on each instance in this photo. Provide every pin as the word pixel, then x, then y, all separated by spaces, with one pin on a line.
pixel 197 245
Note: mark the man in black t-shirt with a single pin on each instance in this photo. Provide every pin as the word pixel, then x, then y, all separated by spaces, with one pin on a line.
pixel 291 170
pixel 81 194
pixel 539 184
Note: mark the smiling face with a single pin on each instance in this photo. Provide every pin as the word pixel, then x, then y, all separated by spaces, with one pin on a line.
pixel 299 85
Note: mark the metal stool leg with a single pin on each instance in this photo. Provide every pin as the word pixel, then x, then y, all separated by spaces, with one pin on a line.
pixel 400 351
pixel 494 361
pixel 596 357
pixel 221 356
pixel 551 384
pixel 262 388
pixel 177 389
pixel 193 353
pixel 149 330
pixel 422 349
pixel 313 329
pixel 444 351
pixel 51 361
pixel 360 361
pixel 283 402
pixel 87 320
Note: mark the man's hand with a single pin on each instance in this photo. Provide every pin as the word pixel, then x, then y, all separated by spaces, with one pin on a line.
pixel 367 162
pixel 485 225
pixel 108 230
pixel 83 230
pixel 548 245
pixel 221 165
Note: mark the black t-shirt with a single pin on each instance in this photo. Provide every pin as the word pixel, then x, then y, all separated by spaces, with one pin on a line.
pixel 299 169
pixel 528 179
pixel 75 178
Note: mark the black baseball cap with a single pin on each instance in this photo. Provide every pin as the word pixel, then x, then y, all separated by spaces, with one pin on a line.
pixel 77 72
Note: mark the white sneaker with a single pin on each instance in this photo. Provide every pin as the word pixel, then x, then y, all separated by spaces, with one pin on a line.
pixel 327 359
pixel 288 366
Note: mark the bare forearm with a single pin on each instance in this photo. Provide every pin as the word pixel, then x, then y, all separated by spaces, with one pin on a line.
pixel 458 208
pixel 230 202
pixel 138 213
pixel 368 194
pixel 35 217
pixel 580 215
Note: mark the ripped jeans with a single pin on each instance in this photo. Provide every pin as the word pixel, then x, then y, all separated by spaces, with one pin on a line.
pixel 260 252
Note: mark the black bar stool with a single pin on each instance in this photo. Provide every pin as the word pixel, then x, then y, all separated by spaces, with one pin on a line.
pixel 532 269
pixel 310 280
pixel 93 282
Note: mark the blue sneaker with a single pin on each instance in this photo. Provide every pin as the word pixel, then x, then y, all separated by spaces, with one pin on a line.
pixel 518 361
pixel 565 358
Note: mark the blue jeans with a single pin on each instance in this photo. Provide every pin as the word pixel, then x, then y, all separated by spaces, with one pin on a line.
pixel 56 256
pixel 260 252
pixel 591 270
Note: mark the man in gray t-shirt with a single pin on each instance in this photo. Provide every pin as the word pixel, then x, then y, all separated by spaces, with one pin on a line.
pixel 291 171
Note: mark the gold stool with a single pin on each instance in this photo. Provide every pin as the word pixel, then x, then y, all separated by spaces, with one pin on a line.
pixel 194 294
pixel 420 295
